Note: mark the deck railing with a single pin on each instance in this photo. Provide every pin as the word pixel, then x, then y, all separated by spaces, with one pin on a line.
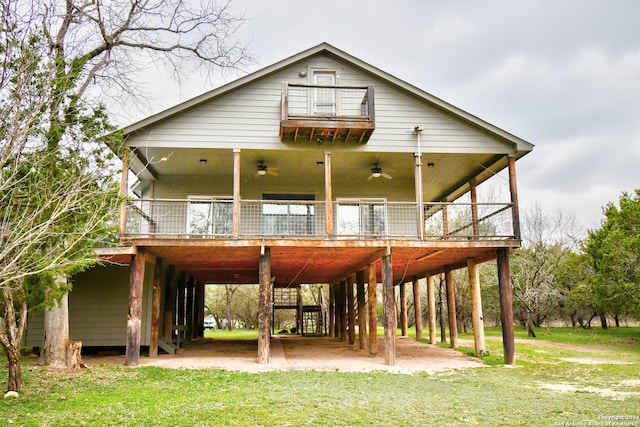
pixel 334 102
pixel 214 219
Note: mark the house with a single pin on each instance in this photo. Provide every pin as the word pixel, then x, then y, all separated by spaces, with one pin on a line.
pixel 320 168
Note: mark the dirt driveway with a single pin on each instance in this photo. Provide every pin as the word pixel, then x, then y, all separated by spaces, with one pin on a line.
pixel 304 353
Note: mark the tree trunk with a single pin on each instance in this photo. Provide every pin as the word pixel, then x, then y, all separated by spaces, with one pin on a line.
pixel 603 321
pixel 530 329
pixel 11 337
pixel 56 331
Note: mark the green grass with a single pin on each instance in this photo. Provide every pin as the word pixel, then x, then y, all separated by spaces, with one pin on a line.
pixel 543 389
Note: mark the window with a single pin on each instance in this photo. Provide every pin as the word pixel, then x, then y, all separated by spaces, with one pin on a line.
pixel 324 99
pixel 362 217
pixel 208 215
pixel 282 218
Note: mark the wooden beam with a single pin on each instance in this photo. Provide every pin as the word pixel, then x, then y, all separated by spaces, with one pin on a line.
pixel 389 301
pixel 134 318
pixel 451 307
pixel 431 302
pixel 404 322
pixel 372 302
pixel 264 306
pixel 182 291
pixel 476 308
pixel 351 311
pixel 417 307
pixel 155 308
pixel 362 311
pixel 506 307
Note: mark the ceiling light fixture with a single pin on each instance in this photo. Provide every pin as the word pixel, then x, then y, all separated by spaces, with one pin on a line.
pixel 203 161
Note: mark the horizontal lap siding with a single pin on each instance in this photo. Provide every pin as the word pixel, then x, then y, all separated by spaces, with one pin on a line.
pixel 98 307
pixel 249 117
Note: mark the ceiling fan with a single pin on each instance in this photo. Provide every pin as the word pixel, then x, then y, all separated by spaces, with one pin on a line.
pixel 262 169
pixel 376 172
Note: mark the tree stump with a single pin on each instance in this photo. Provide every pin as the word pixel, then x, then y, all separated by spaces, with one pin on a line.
pixel 74 360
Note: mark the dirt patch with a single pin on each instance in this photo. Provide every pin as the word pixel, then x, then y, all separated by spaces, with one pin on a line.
pixel 304 353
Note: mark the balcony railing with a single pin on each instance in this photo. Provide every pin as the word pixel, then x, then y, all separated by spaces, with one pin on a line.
pixel 214 219
pixel 327 113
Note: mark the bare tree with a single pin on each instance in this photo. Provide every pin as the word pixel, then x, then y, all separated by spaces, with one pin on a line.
pixel 547 241
pixel 58 60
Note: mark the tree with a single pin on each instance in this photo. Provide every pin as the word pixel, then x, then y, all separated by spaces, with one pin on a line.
pixel 547 241
pixel 614 252
pixel 58 59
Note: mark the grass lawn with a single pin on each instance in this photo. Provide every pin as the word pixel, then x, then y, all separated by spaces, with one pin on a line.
pixel 570 377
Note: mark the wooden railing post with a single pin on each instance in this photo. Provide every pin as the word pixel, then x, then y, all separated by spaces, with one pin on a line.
pixel 124 190
pixel 236 193
pixel 328 191
pixel 513 189
pixel 474 209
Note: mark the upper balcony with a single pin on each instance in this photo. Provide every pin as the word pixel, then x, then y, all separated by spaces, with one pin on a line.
pixel 319 113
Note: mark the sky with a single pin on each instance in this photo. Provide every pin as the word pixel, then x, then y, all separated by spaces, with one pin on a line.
pixel 563 75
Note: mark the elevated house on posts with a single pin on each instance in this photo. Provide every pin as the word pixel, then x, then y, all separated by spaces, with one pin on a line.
pixel 318 169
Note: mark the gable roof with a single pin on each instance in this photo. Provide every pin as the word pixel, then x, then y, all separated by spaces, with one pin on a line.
pixel 521 146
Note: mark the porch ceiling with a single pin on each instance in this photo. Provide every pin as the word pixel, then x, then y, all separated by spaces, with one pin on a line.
pixel 442 173
pixel 313 261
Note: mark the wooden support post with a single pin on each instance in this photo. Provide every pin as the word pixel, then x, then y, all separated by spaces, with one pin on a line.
pixel 404 320
pixel 362 311
pixel 182 285
pixel 351 311
pixel 134 319
pixel 451 307
pixel 332 310
pixel 506 307
pixel 389 300
pixel 417 307
pixel 155 308
pixel 191 287
pixel 236 193
pixel 170 303
pixel 199 317
pixel 344 320
pixel 264 306
pixel 513 189
pixel 476 308
pixel 372 303
pixel 431 302
pixel 328 195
